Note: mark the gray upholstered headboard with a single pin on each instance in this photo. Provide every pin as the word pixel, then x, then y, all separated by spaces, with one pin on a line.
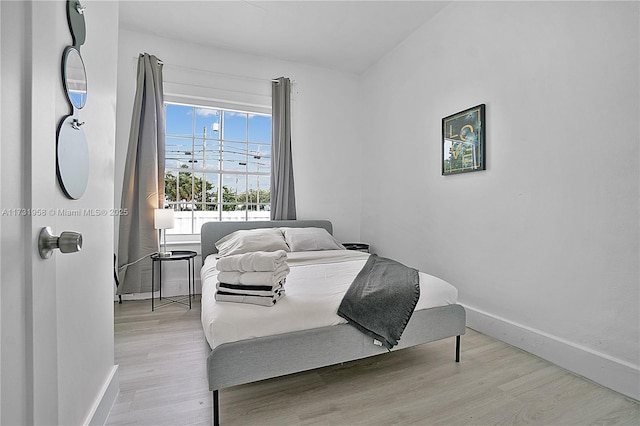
pixel 213 231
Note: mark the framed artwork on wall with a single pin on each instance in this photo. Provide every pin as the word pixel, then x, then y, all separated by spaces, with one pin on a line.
pixel 463 141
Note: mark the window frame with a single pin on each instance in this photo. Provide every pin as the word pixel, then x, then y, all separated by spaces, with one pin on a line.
pixel 223 107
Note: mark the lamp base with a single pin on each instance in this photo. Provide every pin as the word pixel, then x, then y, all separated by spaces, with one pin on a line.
pixel 164 254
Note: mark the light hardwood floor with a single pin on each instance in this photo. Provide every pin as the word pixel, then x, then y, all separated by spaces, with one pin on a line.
pixel 163 382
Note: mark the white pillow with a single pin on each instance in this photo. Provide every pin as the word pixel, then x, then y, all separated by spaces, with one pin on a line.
pixel 249 240
pixel 308 239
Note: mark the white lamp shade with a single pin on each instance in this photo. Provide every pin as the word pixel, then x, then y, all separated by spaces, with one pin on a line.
pixel 163 219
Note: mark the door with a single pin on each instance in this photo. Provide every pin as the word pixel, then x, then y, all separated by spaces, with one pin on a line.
pixel 28 309
pixel 56 315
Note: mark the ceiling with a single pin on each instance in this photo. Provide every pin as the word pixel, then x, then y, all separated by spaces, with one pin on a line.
pixel 349 36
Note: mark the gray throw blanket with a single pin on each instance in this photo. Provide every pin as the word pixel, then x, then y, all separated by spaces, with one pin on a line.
pixel 381 299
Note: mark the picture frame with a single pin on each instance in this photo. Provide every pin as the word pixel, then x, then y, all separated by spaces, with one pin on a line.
pixel 463 141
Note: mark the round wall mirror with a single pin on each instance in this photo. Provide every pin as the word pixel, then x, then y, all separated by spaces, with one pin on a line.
pixel 74 77
pixel 72 158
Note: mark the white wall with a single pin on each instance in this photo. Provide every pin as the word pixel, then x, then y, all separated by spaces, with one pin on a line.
pixel 543 245
pixel 57 314
pixel 325 132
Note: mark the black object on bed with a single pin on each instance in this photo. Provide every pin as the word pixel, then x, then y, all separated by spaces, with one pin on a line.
pixel 381 299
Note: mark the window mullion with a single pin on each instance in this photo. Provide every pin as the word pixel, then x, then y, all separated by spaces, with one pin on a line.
pixel 193 175
pixel 220 171
pixel 246 160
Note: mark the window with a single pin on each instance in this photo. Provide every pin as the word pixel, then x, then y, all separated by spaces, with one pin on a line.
pixel 217 165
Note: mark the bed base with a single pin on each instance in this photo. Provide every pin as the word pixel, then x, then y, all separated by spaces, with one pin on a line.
pixel 262 358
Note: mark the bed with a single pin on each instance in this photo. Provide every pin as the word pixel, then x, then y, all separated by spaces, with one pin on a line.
pixel 239 357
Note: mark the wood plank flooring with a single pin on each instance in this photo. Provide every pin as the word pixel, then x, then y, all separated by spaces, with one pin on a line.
pixel 163 382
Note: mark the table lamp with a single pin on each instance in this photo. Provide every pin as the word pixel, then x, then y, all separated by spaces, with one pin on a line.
pixel 163 219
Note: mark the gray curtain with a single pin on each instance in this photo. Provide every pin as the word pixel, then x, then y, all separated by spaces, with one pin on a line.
pixel 143 185
pixel 283 200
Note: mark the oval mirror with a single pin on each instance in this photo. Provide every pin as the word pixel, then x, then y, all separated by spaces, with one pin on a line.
pixel 72 158
pixel 74 77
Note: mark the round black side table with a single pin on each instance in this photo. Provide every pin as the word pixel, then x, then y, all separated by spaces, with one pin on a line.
pixel 186 255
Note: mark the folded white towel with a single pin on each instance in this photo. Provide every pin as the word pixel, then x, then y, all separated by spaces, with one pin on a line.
pixel 254 300
pixel 249 290
pixel 254 278
pixel 261 261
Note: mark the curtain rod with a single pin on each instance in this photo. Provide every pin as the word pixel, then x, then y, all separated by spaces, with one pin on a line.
pixel 161 62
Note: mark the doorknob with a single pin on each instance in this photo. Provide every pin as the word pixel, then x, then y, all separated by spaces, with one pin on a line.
pixel 67 242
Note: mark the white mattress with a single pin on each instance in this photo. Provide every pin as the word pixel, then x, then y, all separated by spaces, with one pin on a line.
pixel 314 289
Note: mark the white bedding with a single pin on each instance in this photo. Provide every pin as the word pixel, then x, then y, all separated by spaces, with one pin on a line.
pixel 314 289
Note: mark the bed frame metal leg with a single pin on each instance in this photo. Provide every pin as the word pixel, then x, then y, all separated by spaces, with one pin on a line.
pixel 216 409
pixel 457 348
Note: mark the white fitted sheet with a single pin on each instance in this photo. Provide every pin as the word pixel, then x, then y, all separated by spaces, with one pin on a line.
pixel 314 289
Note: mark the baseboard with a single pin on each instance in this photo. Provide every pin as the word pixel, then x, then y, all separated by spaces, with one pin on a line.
pixel 613 373
pixel 107 397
